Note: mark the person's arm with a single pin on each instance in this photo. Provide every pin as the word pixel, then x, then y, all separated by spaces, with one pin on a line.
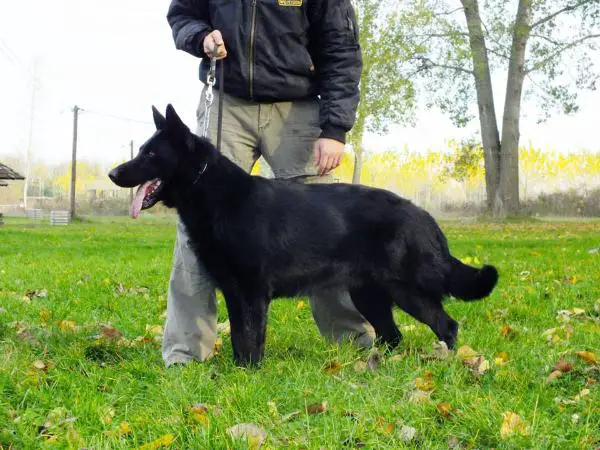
pixel 189 22
pixel 339 66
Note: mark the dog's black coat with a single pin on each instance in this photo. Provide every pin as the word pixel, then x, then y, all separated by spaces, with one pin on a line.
pixel 260 239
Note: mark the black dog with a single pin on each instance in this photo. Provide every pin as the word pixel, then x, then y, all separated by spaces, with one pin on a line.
pixel 260 239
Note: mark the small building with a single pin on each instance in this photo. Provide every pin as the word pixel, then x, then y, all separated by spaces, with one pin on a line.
pixel 7 174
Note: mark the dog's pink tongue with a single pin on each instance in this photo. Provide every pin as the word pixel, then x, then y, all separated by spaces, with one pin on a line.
pixel 136 205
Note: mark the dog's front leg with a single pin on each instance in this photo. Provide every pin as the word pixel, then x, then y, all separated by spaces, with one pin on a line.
pixel 248 320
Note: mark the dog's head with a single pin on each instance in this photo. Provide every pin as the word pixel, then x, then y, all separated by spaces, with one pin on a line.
pixel 161 162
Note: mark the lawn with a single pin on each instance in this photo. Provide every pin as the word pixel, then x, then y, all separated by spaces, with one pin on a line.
pixel 81 315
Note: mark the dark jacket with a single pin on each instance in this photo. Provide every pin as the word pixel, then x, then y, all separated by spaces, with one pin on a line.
pixel 280 50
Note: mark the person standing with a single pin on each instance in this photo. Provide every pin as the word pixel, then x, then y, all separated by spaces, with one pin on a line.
pixel 291 75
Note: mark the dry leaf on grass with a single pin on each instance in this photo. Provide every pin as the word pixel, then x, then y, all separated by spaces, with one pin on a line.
pixel 477 366
pixel 419 397
pixel 386 427
pixel 407 434
pixel 465 352
pixel 332 367
pixel 360 366
pixel 67 325
pixel 512 423
pixel 563 366
pixel 588 357
pixel 316 408
pixel 553 376
pixel 508 332
pixel 252 433
pixel 39 365
pixel 501 359
pixel 445 409
pixel 425 383
pixel 163 441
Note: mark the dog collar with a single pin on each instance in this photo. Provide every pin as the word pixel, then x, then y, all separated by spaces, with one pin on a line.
pixel 200 172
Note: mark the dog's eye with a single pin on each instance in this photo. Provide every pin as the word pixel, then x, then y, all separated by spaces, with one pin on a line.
pixel 151 155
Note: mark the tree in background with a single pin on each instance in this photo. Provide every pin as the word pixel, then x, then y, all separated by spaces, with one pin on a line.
pixel 386 95
pixel 545 47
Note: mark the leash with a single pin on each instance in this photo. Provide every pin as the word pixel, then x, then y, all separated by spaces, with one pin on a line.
pixel 209 98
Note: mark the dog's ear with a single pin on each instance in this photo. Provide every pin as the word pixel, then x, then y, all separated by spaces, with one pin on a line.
pixel 159 120
pixel 177 129
pixel 173 120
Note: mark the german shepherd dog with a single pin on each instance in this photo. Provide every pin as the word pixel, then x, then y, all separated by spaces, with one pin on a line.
pixel 261 239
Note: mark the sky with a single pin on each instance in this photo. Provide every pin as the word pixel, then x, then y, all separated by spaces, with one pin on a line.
pixel 115 59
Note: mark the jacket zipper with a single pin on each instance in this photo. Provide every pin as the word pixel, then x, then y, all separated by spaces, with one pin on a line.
pixel 251 52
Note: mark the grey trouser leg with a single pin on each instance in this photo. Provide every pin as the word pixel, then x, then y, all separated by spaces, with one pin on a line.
pixel 283 133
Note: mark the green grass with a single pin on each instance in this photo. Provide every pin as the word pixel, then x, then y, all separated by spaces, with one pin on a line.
pixel 99 394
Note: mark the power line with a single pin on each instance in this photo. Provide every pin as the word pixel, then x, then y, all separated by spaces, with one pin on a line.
pixel 116 117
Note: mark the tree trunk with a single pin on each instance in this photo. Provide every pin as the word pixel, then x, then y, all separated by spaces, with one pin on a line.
pixel 358 162
pixel 509 157
pixel 490 136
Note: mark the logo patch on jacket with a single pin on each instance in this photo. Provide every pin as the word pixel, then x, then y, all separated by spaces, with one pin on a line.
pixel 295 3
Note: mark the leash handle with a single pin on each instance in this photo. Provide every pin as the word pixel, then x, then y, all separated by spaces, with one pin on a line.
pixel 220 112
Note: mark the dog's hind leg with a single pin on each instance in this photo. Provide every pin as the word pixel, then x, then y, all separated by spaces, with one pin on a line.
pixel 428 310
pixel 248 321
pixel 375 304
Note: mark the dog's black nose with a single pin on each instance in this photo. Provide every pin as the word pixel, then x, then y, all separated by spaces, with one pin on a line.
pixel 113 175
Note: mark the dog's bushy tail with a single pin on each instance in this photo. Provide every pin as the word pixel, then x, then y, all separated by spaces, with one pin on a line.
pixel 468 283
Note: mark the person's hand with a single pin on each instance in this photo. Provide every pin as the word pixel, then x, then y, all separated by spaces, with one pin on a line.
pixel 212 41
pixel 328 154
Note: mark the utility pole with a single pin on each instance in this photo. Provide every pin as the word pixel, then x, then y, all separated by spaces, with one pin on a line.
pixel 131 189
pixel 34 86
pixel 74 160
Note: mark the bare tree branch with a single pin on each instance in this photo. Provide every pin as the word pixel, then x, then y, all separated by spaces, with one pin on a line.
pixel 426 64
pixel 559 12
pixel 564 48
pixel 546 38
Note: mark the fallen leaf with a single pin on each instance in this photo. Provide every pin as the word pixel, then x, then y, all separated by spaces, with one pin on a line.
pixel 407 433
pixel 508 332
pixel 252 433
pixel 386 427
pixel 478 365
pixel 199 413
pixel 67 325
pixel 316 408
pixel 39 365
pixel 45 315
pixel 301 304
pixel 332 367
pixel 156 330
pixel 512 423
pixel 501 359
pixel 465 352
pixel 583 393
pixel 588 357
pixel 425 383
pixel 218 346
pixel 419 397
pixel 553 376
pixel 124 428
pixel 444 408
pixel 163 441
pixel 110 332
pixel 562 366
pixel 575 418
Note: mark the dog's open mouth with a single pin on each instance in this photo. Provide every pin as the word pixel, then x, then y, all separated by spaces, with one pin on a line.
pixel 146 196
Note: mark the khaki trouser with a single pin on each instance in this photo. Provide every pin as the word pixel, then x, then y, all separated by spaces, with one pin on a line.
pixel 283 133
